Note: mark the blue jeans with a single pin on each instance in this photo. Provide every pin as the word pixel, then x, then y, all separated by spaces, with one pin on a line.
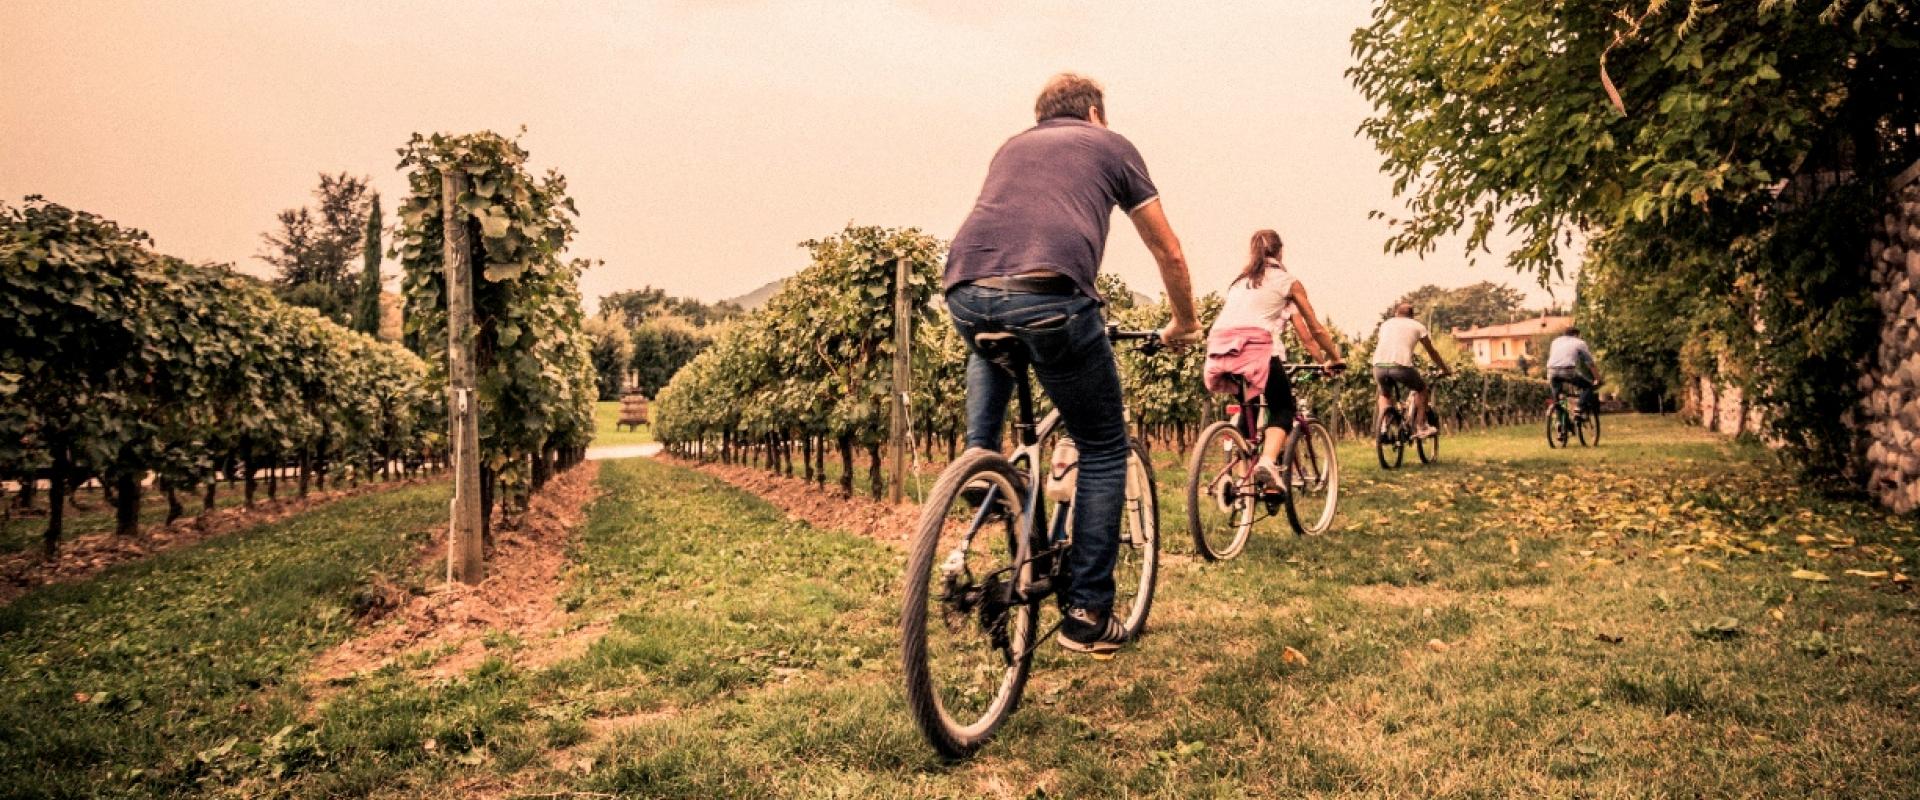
pixel 1066 341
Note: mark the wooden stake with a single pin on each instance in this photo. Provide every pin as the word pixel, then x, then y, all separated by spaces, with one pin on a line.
pixel 902 375
pixel 466 559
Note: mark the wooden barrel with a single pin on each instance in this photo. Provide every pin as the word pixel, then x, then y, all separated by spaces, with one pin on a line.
pixel 633 411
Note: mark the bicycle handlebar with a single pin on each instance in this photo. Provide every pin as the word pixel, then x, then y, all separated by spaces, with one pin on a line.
pixel 1149 340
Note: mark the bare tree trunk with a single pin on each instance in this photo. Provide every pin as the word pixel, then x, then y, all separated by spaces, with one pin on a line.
pixel 487 496
pixel 174 509
pixel 876 478
pixel 846 466
pixel 246 462
pixel 305 469
pixel 126 503
pixel 208 501
pixel 56 501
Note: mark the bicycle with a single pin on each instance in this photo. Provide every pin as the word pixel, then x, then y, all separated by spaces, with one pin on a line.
pixel 1562 425
pixel 1224 500
pixel 1395 433
pixel 970 622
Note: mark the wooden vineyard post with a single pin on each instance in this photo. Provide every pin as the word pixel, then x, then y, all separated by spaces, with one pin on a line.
pixel 466 561
pixel 902 375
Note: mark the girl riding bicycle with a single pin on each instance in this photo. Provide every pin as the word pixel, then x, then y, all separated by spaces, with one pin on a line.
pixel 1246 340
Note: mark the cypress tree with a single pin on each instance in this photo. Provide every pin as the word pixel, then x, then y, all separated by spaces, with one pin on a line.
pixel 367 319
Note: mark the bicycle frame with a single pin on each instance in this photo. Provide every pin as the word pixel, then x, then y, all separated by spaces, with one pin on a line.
pixel 1027 458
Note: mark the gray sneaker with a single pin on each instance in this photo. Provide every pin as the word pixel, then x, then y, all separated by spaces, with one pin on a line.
pixel 1092 632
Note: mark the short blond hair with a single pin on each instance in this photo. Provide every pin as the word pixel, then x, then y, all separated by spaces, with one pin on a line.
pixel 1069 95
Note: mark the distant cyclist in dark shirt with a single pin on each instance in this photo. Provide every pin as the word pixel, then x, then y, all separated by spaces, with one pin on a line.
pixel 1024 263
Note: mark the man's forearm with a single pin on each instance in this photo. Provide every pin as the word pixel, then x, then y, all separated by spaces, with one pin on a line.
pixel 1151 221
pixel 1179 284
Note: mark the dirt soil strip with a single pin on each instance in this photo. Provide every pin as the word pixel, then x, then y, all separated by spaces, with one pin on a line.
pixel 526 570
pixel 816 506
pixel 82 557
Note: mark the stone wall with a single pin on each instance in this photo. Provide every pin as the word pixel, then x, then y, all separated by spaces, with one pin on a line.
pixel 1890 412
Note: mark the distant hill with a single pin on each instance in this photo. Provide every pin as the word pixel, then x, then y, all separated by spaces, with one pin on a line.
pixel 753 300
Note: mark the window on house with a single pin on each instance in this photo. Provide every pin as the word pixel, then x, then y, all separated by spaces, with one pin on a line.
pixel 1503 348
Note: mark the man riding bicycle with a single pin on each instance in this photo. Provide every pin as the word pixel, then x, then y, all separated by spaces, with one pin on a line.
pixel 1570 362
pixel 1393 365
pixel 1024 263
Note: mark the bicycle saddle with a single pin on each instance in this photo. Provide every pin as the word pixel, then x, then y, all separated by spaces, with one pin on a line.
pixel 1001 349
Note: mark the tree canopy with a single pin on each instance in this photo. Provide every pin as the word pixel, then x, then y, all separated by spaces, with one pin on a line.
pixel 1723 162
pixel 1483 303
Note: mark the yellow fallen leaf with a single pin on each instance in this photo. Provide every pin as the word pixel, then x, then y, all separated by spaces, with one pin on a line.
pixel 1778 614
pixel 1437 646
pixel 1901 577
pixel 1294 657
pixel 1810 575
pixel 1804 539
pixel 1712 565
pixel 1867 573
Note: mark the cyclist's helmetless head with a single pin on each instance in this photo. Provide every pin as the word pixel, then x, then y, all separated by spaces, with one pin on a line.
pixel 1071 95
pixel 1403 310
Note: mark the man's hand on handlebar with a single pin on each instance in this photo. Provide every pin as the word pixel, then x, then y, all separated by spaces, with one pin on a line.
pixel 1335 366
pixel 1179 335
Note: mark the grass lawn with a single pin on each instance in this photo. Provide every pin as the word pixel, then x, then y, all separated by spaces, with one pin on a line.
pixel 606 416
pixel 1621 621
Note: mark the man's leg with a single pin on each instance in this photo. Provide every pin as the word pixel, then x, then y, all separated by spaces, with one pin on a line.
pixel 1085 386
pixel 988 386
pixel 988 389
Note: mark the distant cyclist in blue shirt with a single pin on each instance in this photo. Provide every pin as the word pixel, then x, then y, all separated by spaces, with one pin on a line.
pixel 1570 363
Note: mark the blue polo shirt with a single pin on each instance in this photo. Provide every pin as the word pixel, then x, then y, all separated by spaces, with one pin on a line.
pixel 1050 193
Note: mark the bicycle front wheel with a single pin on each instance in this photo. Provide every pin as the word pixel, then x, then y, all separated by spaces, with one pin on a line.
pixel 1590 429
pixel 1137 565
pixel 1313 478
pixel 1429 446
pixel 1220 492
pixel 966 644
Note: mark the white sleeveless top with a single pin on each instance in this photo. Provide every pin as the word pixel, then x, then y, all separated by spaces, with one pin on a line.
pixel 1269 306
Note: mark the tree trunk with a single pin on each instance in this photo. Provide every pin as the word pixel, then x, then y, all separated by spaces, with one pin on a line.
pixel 876 478
pixel 126 503
pixel 846 466
pixel 29 486
pixel 273 481
pixel 806 458
pixel 208 501
pixel 246 462
pixel 487 496
pixel 56 501
pixel 542 468
pixel 174 509
pixel 305 470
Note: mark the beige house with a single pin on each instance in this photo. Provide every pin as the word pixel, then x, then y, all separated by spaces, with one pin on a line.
pixel 1503 346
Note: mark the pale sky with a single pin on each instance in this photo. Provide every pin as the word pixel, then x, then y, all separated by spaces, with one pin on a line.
pixel 703 140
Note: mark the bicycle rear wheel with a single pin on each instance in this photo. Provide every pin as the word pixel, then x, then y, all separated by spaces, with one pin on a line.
pixel 966 645
pixel 1220 492
pixel 1313 478
pixel 1428 447
pixel 1391 438
pixel 1556 427
pixel 1137 566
